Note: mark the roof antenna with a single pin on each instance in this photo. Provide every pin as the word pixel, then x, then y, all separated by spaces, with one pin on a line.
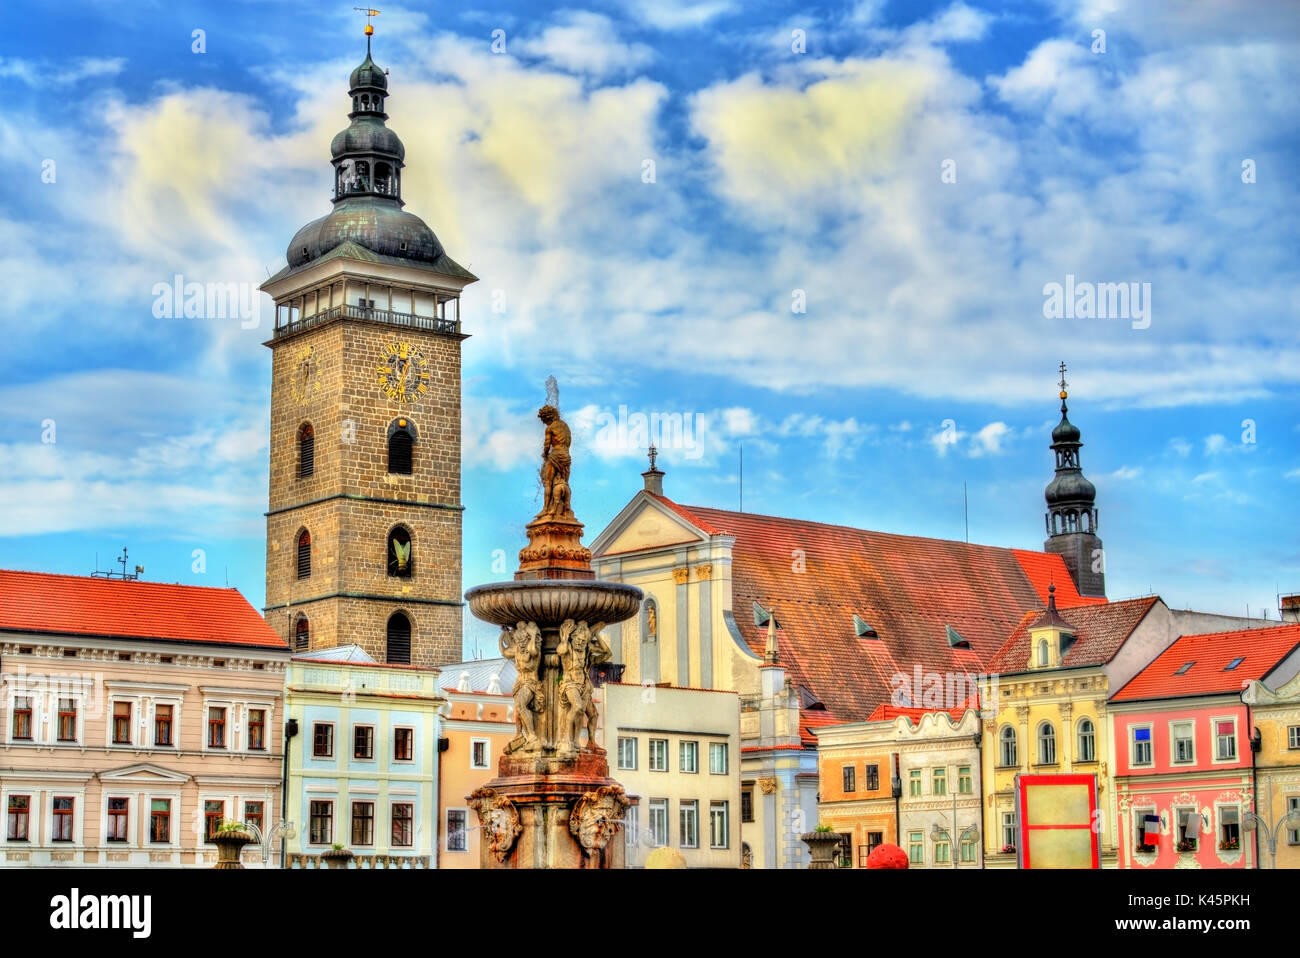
pixel 742 476
pixel 965 508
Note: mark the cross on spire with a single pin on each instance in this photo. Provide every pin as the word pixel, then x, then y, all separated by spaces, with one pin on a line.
pixel 653 452
pixel 1063 382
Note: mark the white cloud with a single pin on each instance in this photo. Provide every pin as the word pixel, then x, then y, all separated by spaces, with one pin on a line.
pixel 988 440
pixel 1215 444
pixel 1126 472
pixel 584 42
pixel 46 73
pixel 679 14
pixel 1180 447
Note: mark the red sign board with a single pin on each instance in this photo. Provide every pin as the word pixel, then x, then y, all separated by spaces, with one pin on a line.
pixel 1059 825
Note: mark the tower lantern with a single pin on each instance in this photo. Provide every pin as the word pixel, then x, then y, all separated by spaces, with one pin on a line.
pixel 364 524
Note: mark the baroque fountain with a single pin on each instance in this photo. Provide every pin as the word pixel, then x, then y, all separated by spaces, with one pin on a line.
pixel 553 804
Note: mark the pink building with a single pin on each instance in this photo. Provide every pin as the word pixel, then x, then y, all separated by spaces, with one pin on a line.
pixel 1184 774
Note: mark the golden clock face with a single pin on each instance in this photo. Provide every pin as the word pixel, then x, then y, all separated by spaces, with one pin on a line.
pixel 403 373
pixel 305 376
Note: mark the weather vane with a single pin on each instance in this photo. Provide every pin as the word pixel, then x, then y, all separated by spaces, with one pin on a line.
pixel 369 12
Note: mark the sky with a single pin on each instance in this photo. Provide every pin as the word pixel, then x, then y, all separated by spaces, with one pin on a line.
pixel 825 234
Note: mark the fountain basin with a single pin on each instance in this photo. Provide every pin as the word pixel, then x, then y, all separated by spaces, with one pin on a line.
pixel 548 602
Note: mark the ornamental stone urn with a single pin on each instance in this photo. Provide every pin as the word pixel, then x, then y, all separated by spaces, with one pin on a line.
pixel 230 844
pixel 823 846
pixel 336 858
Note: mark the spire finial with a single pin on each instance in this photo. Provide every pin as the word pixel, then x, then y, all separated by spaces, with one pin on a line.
pixel 370 29
pixel 1063 385
pixel 652 453
pixel 771 654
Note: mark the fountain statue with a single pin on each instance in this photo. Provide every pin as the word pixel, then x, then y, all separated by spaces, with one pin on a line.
pixel 553 804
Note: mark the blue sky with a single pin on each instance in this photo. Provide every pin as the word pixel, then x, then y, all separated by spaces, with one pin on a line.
pixel 913 174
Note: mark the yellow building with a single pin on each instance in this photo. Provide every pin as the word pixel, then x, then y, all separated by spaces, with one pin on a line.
pixel 478 723
pixel 1276 717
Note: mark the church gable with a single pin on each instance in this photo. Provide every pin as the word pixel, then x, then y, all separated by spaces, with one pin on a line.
pixel 645 524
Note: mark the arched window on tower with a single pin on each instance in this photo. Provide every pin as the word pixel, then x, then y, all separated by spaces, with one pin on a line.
pixel 306 451
pixel 304 554
pixel 1042 652
pixel 383 173
pixel 401 562
pixel 363 175
pixel 401 447
pixel 399 640
pixel 301 634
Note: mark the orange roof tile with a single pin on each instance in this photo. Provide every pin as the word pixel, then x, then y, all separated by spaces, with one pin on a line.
pixel 1260 650
pixel 887 713
pixel 1099 632
pixel 80 605
pixel 906 587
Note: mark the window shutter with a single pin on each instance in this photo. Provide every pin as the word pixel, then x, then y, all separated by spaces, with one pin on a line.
pixel 306 453
pixel 399 640
pixel 304 556
pixel 400 453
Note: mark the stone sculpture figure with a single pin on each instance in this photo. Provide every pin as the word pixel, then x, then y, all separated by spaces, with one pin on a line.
pixel 597 816
pixel 524 647
pixel 556 463
pixel 580 647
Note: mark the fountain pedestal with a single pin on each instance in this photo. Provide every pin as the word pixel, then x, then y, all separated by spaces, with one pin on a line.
pixel 553 803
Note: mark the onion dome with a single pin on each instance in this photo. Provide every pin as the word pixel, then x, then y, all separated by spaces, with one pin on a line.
pixel 1070 497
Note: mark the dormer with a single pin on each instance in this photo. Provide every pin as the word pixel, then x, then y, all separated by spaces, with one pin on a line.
pixel 1050 637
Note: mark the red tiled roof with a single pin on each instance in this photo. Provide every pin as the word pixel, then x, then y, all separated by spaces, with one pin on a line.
pixel 887 713
pixel 906 587
pixel 686 513
pixel 1259 649
pixel 1046 569
pixel 80 605
pixel 810 719
pixel 1099 632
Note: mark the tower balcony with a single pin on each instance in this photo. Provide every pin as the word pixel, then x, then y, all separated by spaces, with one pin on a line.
pixel 292 322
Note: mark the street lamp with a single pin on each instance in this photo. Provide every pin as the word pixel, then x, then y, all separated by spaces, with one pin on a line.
pixel 280 829
pixel 1251 821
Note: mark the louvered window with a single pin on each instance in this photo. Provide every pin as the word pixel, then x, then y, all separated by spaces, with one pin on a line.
pixel 306 452
pixel 399 640
pixel 304 554
pixel 400 445
pixel 301 634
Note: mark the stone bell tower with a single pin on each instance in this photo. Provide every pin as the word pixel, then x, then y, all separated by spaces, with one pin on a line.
pixel 363 528
pixel 1072 510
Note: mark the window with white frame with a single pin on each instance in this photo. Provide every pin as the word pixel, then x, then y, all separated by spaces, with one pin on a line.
pixel 117 820
pixel 941 850
pixel 1007 747
pixel 688 814
pixel 1182 743
pixel 122 726
pixel 939 781
pixel 658 821
pixel 719 825
pixel 1146 827
pixel 1087 741
pixel 1187 826
pixel 718 759
pixel 18 810
pixel 67 719
pixel 915 848
pixel 627 753
pixel 160 821
pixel 1293 806
pixel 1229 827
pixel 631 826
pixel 1046 744
pixel 688 757
pixel 1008 829
pixel 320 822
pixel 457 830
pixel 1293 736
pixel 659 755
pixel 1225 739
pixel 1140 744
pixel 967 850
pixel 63 809
pixel 478 753
pixel 22 728
pixel 403 821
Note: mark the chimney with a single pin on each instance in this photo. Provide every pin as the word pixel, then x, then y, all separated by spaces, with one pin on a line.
pixel 654 478
pixel 1290 608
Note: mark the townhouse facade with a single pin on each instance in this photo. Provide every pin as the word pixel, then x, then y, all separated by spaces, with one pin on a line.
pixel 363 760
pixel 137 718
pixel 1275 716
